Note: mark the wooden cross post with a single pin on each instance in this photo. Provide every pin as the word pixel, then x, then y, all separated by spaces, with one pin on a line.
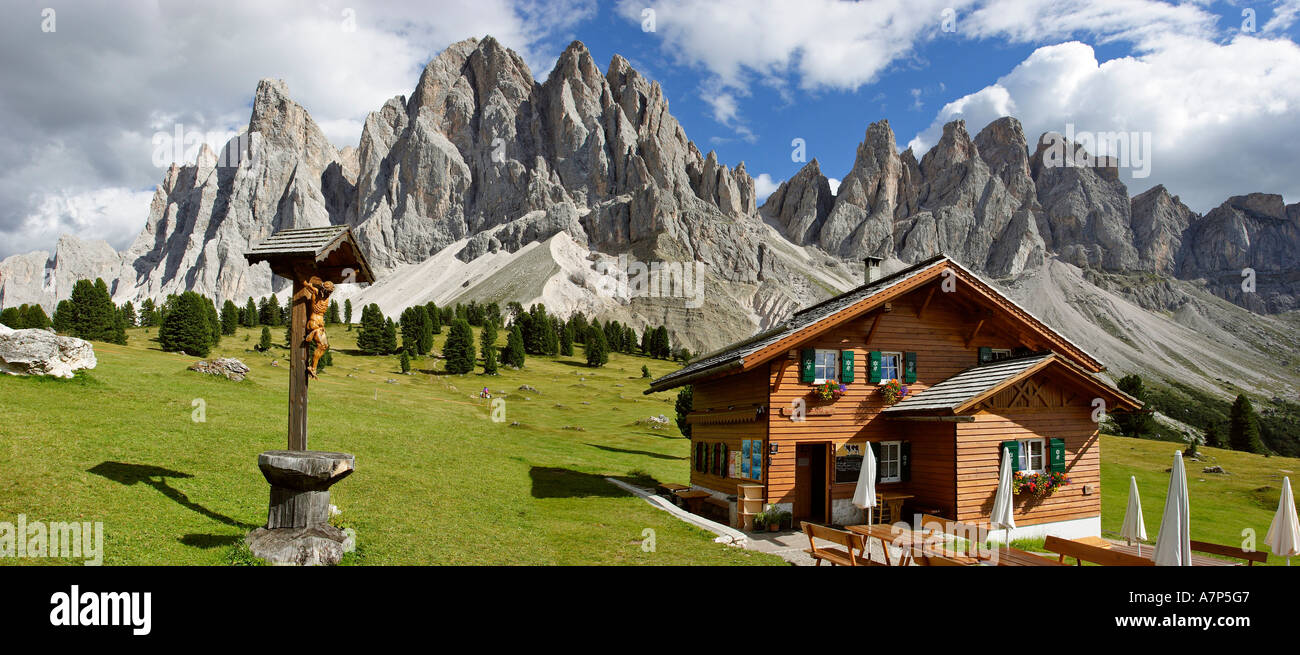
pixel 298 362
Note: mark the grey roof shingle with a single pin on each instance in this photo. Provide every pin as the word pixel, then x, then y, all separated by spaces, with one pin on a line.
pixel 962 387
pixel 299 241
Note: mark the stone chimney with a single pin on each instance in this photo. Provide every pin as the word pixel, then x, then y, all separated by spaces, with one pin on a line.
pixel 871 269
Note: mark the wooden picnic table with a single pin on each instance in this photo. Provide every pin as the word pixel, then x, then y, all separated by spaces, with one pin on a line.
pixel 910 541
pixel 1149 552
pixel 694 499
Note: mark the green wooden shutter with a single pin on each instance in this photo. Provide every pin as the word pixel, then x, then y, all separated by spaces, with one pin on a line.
pixel 986 355
pixel 846 366
pixel 807 367
pixel 875 452
pixel 905 460
pixel 1014 447
pixel 1056 448
pixel 873 365
pixel 909 367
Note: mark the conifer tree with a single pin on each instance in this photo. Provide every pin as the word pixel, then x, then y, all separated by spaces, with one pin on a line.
pixel 186 327
pixel 405 361
pixel 250 313
pixel 229 318
pixel 459 349
pixel 390 337
pixel 264 344
pixel 514 354
pixel 597 348
pixel 488 339
pixel 426 329
pixel 566 339
pixel 370 336
pixel 1243 427
pixel 332 314
pixel 63 317
pixel 347 313
pixel 435 318
pixel 128 313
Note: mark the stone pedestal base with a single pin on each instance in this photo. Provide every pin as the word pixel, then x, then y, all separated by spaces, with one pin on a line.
pixel 319 545
pixel 297 529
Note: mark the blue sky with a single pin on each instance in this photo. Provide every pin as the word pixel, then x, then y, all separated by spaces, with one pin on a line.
pixel 1216 92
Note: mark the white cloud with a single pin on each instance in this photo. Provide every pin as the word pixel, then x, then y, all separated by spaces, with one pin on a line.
pixel 80 105
pixel 112 214
pixel 1284 16
pixel 764 187
pixel 1215 111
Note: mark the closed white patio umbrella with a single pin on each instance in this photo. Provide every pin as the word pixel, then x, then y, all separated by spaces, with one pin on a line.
pixel 1003 509
pixel 864 496
pixel 1174 543
pixel 1284 533
pixel 1134 528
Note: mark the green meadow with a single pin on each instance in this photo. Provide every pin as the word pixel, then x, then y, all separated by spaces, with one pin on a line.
pixel 437 480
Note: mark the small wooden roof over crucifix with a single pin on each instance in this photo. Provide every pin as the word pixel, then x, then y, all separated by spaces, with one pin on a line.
pixel 330 250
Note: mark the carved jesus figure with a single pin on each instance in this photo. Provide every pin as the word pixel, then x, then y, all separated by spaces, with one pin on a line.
pixel 318 294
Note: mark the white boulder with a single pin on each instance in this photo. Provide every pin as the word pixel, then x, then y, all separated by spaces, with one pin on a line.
pixel 41 352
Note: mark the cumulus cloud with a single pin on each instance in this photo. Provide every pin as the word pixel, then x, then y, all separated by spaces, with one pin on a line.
pixel 81 104
pixel 1214 111
pixel 764 186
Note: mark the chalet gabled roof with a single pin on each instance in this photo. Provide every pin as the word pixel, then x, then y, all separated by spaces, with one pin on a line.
pixel 964 391
pixel 768 344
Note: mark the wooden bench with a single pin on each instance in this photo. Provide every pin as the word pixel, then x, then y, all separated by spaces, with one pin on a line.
pixel 1228 551
pixel 1083 552
pixel 852 553
pixel 926 558
pixel 717 509
pixel 1090 541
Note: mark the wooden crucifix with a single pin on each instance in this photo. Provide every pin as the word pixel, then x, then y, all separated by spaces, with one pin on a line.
pixel 315 259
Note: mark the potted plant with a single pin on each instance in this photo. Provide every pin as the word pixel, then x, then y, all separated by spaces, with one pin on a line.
pixel 772 517
pixel 760 521
pixel 893 391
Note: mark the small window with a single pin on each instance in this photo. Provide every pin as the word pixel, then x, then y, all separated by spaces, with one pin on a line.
pixel 891 366
pixel 1032 456
pixel 826 365
pixel 1000 353
pixel 848 463
pixel 891 461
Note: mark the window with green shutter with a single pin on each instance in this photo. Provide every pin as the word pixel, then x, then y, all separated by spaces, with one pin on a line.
pixel 846 366
pixel 986 355
pixel 873 367
pixel 1056 452
pixel 909 367
pixel 1014 447
pixel 807 365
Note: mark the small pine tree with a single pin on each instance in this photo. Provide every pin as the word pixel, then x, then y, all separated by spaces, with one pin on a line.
pixel 264 344
pixel 34 317
pixel 412 325
pixel 390 337
pixel 250 313
pixel 514 354
pixel 128 314
pixel 332 314
pixel 186 328
pixel 685 403
pixel 229 318
pixel 566 339
pixel 347 313
pixel 64 314
pixel 645 371
pixel 405 361
pixel 1243 427
pixel 370 337
pixel 12 318
pixel 426 329
pixel 597 348
pixel 488 339
pixel 459 349
pixel 214 320
pixel 435 318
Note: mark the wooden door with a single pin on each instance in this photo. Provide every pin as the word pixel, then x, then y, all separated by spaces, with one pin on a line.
pixel 810 483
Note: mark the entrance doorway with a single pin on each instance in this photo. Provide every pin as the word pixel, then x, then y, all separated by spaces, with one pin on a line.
pixel 810 488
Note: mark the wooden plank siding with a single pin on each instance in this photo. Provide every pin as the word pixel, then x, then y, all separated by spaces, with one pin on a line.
pixel 978 458
pixel 737 391
pixel 938 338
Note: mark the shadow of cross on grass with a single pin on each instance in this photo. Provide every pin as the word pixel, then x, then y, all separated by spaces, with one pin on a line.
pixel 156 477
pixel 552 482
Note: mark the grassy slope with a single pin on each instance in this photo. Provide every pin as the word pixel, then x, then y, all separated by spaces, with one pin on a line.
pixel 437 481
pixel 1222 506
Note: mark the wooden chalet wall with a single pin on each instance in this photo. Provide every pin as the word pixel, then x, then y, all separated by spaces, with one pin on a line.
pixel 938 336
pixel 1041 406
pixel 738 391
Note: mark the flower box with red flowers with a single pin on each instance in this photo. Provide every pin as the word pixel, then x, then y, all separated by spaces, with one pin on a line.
pixel 828 391
pixel 893 391
pixel 1039 484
